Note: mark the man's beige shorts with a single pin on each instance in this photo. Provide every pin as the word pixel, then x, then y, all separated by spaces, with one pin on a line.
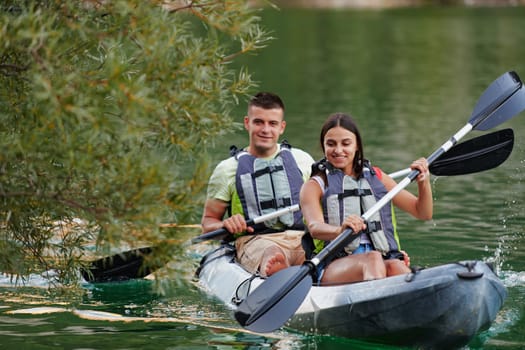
pixel 251 248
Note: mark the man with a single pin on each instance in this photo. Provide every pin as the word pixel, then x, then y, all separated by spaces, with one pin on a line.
pixel 262 178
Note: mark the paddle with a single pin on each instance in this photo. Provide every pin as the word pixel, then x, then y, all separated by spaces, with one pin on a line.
pixel 129 264
pixel 475 155
pixel 272 303
pixel 119 267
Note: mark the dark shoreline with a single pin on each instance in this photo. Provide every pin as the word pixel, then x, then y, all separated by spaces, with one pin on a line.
pixel 380 4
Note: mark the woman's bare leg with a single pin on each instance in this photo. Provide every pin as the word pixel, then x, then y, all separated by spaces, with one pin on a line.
pixel 354 268
pixel 396 267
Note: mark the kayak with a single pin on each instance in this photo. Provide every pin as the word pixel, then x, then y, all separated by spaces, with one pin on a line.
pixel 437 307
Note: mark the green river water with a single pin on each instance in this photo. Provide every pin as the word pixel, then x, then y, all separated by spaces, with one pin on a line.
pixel 411 78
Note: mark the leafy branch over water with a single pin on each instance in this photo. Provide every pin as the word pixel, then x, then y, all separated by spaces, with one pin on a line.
pixel 106 110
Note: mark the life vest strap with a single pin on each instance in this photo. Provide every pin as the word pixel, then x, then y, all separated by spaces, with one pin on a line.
pixel 356 192
pixel 276 204
pixel 268 170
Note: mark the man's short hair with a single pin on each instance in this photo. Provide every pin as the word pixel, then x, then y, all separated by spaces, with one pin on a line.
pixel 266 100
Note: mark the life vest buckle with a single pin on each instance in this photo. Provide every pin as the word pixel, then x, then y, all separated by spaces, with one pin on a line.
pixel 373 226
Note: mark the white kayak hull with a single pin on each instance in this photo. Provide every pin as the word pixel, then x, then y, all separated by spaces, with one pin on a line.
pixel 438 307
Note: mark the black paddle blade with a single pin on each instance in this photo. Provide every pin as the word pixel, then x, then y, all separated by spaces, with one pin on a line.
pixel 475 155
pixel 502 100
pixel 270 305
pixel 120 267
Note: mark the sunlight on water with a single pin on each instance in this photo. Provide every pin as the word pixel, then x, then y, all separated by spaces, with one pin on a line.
pixel 43 280
pixel 115 323
pixel 513 279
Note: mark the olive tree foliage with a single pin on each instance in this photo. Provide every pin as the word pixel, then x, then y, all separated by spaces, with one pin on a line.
pixel 106 110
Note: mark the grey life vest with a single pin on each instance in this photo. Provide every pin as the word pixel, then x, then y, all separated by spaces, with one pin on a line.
pixel 264 186
pixel 345 195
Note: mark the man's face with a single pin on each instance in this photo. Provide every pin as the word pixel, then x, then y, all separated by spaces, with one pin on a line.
pixel 264 127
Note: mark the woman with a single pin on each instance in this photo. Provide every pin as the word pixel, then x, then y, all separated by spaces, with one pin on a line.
pixel 344 186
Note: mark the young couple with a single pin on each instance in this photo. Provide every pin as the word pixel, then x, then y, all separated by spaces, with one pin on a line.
pixel 333 194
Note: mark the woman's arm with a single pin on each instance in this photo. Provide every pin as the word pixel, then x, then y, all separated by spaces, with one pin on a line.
pixel 310 202
pixel 310 199
pixel 421 207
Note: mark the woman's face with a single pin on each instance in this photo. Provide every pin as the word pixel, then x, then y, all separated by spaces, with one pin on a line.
pixel 340 146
